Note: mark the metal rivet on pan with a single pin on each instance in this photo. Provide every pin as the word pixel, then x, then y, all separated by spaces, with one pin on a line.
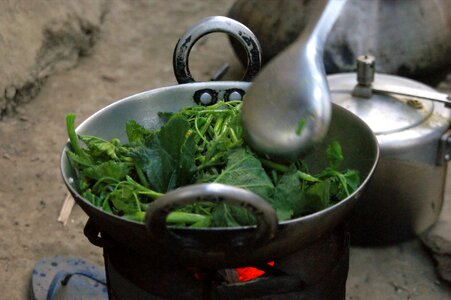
pixel 234 96
pixel 206 98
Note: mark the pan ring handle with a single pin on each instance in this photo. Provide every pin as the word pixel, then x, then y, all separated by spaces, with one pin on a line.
pixel 264 213
pixel 216 24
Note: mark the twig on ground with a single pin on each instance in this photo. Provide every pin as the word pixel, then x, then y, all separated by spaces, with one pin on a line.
pixel 66 209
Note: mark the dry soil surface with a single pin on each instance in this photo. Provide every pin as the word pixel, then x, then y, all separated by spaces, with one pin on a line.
pixel 134 54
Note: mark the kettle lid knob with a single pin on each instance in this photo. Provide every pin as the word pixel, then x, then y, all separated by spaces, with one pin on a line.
pixel 365 76
pixel 365 69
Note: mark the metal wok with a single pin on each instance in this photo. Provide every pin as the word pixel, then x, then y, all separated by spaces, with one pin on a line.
pixel 218 247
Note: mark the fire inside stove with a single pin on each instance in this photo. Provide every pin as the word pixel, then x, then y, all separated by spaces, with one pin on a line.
pixel 239 274
pixel 249 273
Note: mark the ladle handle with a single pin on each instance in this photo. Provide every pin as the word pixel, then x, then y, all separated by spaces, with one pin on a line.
pixel 264 213
pixel 210 25
pixel 320 23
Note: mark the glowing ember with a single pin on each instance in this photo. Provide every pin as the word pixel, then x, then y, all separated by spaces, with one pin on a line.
pixel 249 273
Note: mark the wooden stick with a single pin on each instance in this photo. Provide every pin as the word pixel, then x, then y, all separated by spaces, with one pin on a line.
pixel 66 209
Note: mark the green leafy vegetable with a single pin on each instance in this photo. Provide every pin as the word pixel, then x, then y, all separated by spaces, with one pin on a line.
pixel 167 158
pixel 288 195
pixel 108 169
pixel 70 124
pixel 199 144
pixel 334 155
pixel 98 147
pixel 245 171
pixel 136 133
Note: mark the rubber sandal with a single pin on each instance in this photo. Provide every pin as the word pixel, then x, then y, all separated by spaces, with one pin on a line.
pixel 63 277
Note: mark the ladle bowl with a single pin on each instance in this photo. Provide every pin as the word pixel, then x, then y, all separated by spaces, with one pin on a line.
pixel 287 109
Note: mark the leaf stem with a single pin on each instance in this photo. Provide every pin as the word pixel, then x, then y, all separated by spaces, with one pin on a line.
pixel 273 165
pixel 141 175
pixel 70 125
pixel 184 217
pixel 307 177
pixel 142 190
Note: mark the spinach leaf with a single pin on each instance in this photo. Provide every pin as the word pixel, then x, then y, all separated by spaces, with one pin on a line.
pixel 334 155
pixel 79 160
pixel 136 133
pixel 288 196
pixel 167 158
pixel 342 184
pixel 102 149
pixel 245 171
pixel 317 197
pixel 352 179
pixel 124 201
pixel 91 197
pixel 224 215
pixel 110 169
pixel 348 183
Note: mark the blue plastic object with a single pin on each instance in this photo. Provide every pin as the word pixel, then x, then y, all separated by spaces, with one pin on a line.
pixel 64 277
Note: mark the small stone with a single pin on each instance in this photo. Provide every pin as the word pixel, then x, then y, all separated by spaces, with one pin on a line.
pixel 438 238
pixel 10 92
pixel 42 205
pixel 444 266
pixel 108 78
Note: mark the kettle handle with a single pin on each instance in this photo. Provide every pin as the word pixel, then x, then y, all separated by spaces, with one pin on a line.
pixel 444 148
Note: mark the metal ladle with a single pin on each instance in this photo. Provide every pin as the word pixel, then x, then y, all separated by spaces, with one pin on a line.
pixel 287 109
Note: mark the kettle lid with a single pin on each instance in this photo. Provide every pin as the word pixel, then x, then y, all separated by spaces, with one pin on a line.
pixel 383 113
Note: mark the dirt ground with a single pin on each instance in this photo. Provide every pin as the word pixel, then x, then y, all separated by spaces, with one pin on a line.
pixel 134 54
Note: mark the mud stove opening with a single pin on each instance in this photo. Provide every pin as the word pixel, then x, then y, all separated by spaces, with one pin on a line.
pixel 316 272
